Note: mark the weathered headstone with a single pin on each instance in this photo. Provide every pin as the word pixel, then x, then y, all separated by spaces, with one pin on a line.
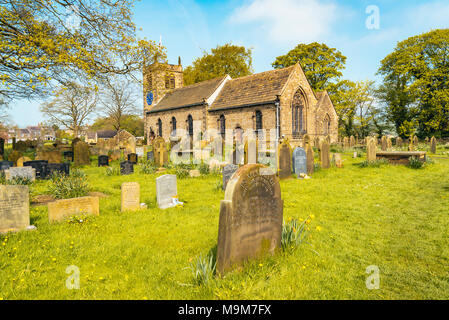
pixel 306 140
pixel 160 151
pixel 251 215
pixel 103 161
pixel 61 168
pixel 14 156
pixel 310 160
pixel 14 208
pixel 299 161
pixel 41 167
pixel 133 157
pixel 54 156
pixel 68 155
pixel 336 159
pixel 325 155
pixel 115 155
pixel 389 144
pixel 130 196
pixel 126 168
pixel 371 150
pixel 284 160
pixel 150 156
pixel 20 173
pixel 82 154
pixel 228 171
pixel 6 165
pixel 166 189
pixel 351 141
pixel 384 143
pixel 62 209
pixel 399 142
pixel 433 145
pixel 251 151
pixel 21 160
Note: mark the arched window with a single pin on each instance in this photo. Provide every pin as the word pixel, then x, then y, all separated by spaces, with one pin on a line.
pixel 299 115
pixel 259 124
pixel 169 81
pixel 327 125
pixel 173 126
pixel 159 127
pixel 222 124
pixel 190 125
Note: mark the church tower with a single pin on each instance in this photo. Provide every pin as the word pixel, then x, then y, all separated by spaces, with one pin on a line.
pixel 159 79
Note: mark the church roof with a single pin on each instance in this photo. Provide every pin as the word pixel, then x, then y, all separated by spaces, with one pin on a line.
pixel 259 88
pixel 188 96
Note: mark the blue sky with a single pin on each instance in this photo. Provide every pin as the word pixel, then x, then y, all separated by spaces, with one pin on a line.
pixel 273 27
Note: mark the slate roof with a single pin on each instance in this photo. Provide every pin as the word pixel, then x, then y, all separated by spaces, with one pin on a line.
pixel 259 88
pixel 106 134
pixel 188 96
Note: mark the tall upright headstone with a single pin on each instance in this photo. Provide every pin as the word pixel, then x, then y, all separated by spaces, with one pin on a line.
pixel 389 144
pixel 14 208
pixel 433 145
pixel 82 154
pixel 130 196
pixel 251 151
pixel 251 215
pixel 166 189
pixel 299 161
pixel 325 155
pixel 2 146
pixel 351 141
pixel 384 143
pixel 371 150
pixel 284 157
pixel 310 160
pixel 399 142
pixel 160 151
pixel 228 171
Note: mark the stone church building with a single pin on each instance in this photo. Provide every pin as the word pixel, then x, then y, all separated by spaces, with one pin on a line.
pixel 280 99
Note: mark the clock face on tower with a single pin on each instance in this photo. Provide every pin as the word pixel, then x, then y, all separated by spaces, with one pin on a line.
pixel 150 98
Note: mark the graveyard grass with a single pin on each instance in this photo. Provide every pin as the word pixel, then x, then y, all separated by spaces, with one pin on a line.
pixel 393 217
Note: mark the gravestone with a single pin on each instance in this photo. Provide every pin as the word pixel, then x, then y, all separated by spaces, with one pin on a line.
pixel 41 167
pixel 150 156
pixel 81 154
pixel 166 189
pixel 6 165
pixel 251 151
pixel 133 157
pixel 21 160
pixel 14 156
pixel 433 145
pixel 310 160
pixel 160 151
pixel 415 141
pixel 306 140
pixel 103 161
pixel 228 171
pixel 251 215
pixel 14 208
pixel 62 209
pixel 140 151
pixel 336 159
pixel 399 142
pixel 299 161
pixel 389 144
pixel 20 173
pixel 54 156
pixel 325 155
pixel 284 160
pixel 126 168
pixel 115 155
pixel 384 143
pixel 2 146
pixel 371 150
pixel 68 155
pixel 61 168
pixel 130 196
pixel 21 146
pixel 351 141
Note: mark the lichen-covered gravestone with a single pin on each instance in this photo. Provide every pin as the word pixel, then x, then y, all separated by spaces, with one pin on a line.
pixel 384 145
pixel 399 142
pixel 6 165
pixel 59 168
pixel 27 173
pixel 433 145
pixel 166 189
pixel 299 161
pixel 126 168
pixel 62 209
pixel 371 150
pixel 337 160
pixel 160 151
pixel 284 160
pixel 82 154
pixel 251 214
pixel 325 155
pixel 130 196
pixel 228 171
pixel 310 160
pixel 14 208
pixel 150 156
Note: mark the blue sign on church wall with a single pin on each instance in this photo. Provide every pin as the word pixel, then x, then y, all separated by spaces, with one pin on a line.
pixel 150 98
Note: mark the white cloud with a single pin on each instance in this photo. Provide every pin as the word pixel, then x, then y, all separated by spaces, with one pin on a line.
pixel 289 21
pixel 429 16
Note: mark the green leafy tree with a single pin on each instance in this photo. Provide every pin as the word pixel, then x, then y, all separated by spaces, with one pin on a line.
pixel 132 123
pixel 233 60
pixel 322 65
pixel 416 84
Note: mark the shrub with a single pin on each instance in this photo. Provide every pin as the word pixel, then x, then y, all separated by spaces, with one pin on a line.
pixel 182 173
pixel 204 169
pixel 15 180
pixel 112 171
pixel 293 233
pixel 204 268
pixel 374 164
pixel 219 185
pixel 66 187
pixel 415 163
pixel 147 167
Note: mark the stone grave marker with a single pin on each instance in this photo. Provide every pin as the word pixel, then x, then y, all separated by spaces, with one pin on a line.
pixel 54 156
pixel 228 171
pixel 433 145
pixel 310 160
pixel 299 161
pixel 150 156
pixel 389 143
pixel 81 154
pixel 384 145
pixel 325 155
pixel 160 151
pixel 126 168
pixel 14 156
pixel 62 168
pixel 41 167
pixel 61 209
pixel 21 160
pixel 103 161
pixel 6 165
pixel 284 160
pixel 68 155
pixel 336 159
pixel 133 157
pixel 251 215
pixel 166 189
pixel 130 196
pixel 251 151
pixel 14 208
pixel 371 150
pixel 20 173
pixel 351 141
pixel 399 142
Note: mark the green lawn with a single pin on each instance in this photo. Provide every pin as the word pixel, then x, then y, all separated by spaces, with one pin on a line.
pixel 393 217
